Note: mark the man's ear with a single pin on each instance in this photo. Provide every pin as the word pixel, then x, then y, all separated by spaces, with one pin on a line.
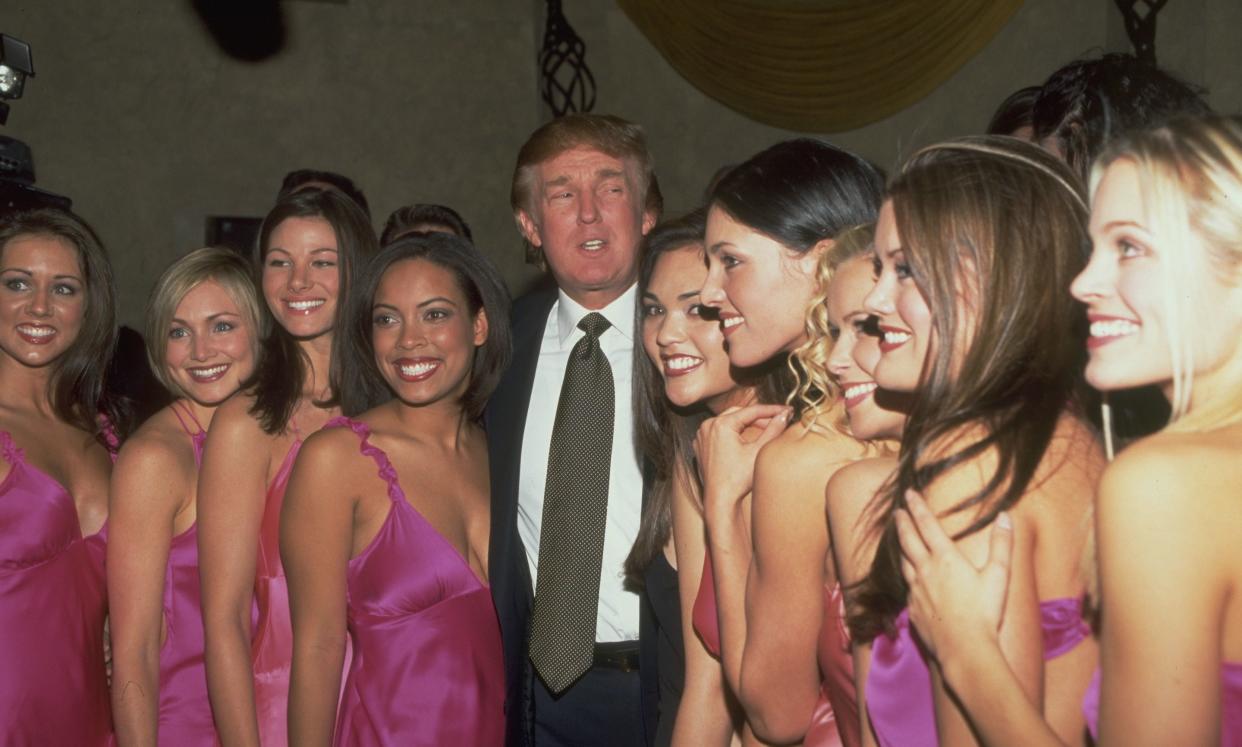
pixel 480 327
pixel 529 228
pixel 649 220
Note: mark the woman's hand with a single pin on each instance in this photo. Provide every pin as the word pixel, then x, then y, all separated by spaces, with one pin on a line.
pixel 953 604
pixel 727 457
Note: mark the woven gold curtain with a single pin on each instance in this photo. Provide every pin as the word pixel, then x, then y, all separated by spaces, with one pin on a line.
pixel 818 65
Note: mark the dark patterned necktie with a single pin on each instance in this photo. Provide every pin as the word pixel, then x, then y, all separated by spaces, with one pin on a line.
pixel 575 505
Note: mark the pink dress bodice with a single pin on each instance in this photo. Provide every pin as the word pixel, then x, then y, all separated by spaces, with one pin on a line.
pixel 427 663
pixel 899 689
pixel 184 708
pixel 836 665
pixel 53 600
pixel 271 651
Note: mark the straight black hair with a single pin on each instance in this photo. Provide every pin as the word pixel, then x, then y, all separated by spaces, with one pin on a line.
pixel 800 192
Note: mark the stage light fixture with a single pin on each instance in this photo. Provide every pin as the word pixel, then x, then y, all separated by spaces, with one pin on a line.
pixel 15 66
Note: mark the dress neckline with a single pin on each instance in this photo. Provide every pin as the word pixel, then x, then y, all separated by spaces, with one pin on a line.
pixel 396 494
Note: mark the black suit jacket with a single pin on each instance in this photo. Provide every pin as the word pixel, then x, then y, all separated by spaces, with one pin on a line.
pixel 509 573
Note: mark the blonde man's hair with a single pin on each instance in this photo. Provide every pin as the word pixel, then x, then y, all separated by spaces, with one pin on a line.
pixel 223 266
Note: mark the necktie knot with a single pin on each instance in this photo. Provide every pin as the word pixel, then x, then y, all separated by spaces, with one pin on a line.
pixel 594 324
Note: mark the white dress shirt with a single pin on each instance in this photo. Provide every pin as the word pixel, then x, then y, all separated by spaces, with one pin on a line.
pixel 617 618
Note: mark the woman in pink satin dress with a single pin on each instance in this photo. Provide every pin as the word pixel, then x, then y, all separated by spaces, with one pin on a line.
pixel 309 246
pixel 57 329
pixel 202 339
pixel 385 526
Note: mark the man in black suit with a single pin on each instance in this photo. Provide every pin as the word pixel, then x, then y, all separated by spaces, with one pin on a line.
pixel 567 485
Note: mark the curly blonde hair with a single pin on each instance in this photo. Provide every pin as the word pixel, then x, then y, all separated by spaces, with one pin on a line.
pixel 817 394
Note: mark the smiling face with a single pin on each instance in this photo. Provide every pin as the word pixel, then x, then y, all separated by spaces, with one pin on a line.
pixel 855 353
pixel 210 348
pixel 587 216
pixel 905 320
pixel 1124 287
pixel 42 298
pixel 423 333
pixel 301 276
pixel 760 288
pixel 687 349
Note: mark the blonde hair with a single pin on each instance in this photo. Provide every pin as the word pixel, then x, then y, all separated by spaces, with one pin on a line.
pixel 223 266
pixel 816 391
pixel 1190 174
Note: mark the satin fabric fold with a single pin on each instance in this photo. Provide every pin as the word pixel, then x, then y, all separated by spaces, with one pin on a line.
pixel 899 689
pixel 53 601
pixel 427 667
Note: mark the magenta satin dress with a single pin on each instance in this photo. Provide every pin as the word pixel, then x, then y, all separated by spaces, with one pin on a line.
pixel 53 600
pixel 836 665
pixel 1230 704
pixel 271 651
pixel 899 689
pixel 184 708
pixel 427 666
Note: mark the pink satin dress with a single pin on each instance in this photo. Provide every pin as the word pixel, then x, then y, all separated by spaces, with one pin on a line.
pixel 1230 704
pixel 271 651
pixel 836 665
pixel 899 689
pixel 184 708
pixel 53 601
pixel 427 666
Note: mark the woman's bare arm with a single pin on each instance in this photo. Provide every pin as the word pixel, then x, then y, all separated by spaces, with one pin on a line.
pixel 150 483
pixel 703 716
pixel 316 538
pixel 780 677
pixel 846 497
pixel 727 460
pixel 232 490
pixel 958 607
pixel 1166 528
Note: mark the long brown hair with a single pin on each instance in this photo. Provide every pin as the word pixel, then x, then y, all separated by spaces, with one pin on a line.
pixel 999 226
pixel 281 370
pixel 76 389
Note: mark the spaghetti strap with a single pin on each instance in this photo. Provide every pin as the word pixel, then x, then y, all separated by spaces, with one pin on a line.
pixel 110 438
pixel 293 426
pixel 178 408
pixel 12 452
pixel 386 471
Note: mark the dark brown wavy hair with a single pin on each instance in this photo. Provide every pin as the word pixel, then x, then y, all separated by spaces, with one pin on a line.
pixel 998 226
pixel 281 369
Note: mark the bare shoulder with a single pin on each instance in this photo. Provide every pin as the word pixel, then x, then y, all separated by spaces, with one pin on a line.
pixel 1175 478
pixel 853 486
pixel 233 419
pixel 800 449
pixel 329 452
pixel 158 447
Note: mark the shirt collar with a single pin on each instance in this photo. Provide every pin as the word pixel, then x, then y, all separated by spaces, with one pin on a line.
pixel 619 313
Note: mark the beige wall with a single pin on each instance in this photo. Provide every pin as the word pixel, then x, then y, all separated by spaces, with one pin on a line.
pixel 137 116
